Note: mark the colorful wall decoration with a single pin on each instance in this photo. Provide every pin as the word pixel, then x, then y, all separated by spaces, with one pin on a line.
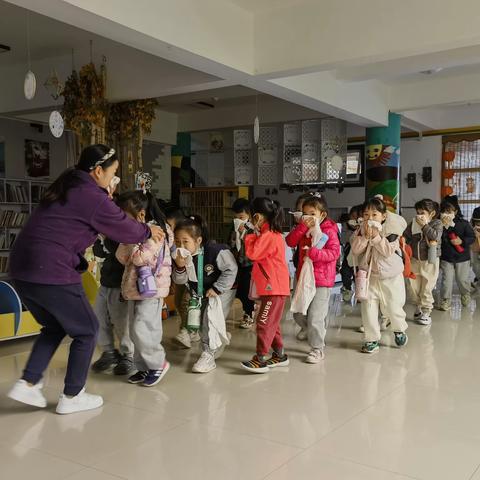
pixel 383 162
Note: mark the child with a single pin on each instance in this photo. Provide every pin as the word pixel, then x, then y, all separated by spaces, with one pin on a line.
pixel 112 313
pixel 346 270
pixel 241 211
pixel 184 337
pixel 324 260
pixel 424 232
pixel 216 278
pixel 455 259
pixel 475 248
pixel 146 322
pixel 270 285
pixel 376 249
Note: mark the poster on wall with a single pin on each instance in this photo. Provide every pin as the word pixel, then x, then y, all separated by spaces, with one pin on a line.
pixel 216 142
pixel 2 158
pixel 37 158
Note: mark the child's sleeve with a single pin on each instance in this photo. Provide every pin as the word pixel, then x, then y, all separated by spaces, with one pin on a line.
pixel 124 252
pixel 433 233
pixel 294 237
pixel 179 275
pixel 98 249
pixel 258 247
pixel 468 235
pixel 330 251
pixel 359 244
pixel 145 253
pixel 228 266
pixel 384 246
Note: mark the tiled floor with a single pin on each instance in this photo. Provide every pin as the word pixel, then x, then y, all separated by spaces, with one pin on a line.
pixel 400 414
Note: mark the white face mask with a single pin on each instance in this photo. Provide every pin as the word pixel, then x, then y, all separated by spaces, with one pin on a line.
pixel 353 223
pixel 297 216
pixel 375 224
pixel 237 223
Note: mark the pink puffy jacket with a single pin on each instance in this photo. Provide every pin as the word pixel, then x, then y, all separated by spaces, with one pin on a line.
pixel 324 259
pixel 133 256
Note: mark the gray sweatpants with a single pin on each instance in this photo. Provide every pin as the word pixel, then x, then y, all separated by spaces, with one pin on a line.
pixel 227 298
pixel 146 329
pixel 315 322
pixel 461 271
pixel 112 317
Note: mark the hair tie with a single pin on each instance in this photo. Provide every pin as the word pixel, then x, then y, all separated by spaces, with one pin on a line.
pixel 317 194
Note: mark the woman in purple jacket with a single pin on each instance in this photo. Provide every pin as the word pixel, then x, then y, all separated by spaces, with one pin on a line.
pixel 46 265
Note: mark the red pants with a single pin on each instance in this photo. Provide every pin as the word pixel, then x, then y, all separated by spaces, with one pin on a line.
pixel 268 319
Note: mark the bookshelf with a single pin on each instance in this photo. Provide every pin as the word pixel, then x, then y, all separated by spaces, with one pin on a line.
pixel 18 199
pixel 214 205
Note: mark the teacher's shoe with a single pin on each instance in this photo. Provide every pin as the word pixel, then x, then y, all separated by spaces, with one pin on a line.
pixel 32 395
pixel 79 403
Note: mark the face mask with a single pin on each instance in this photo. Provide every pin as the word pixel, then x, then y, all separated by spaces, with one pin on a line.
pixel 353 223
pixel 113 184
pixel 447 219
pixel 237 222
pixel 297 216
pixel 375 224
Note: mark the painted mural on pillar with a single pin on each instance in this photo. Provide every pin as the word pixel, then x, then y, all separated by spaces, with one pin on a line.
pixel 383 162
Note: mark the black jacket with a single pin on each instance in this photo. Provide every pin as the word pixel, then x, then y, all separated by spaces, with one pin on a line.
pixel 464 230
pixel 112 269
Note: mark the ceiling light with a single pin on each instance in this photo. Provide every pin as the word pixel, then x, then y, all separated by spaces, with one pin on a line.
pixel 432 71
pixel 4 48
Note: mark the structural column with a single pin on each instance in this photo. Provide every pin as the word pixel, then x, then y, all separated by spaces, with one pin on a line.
pixel 383 162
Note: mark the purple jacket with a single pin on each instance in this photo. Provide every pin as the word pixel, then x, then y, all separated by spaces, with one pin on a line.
pixel 49 249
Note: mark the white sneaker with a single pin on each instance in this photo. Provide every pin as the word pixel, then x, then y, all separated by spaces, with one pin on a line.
pixel 184 338
pixel 195 336
pixel 206 363
pixel 425 319
pixel 417 314
pixel 31 395
pixel 315 356
pixel 302 335
pixel 80 403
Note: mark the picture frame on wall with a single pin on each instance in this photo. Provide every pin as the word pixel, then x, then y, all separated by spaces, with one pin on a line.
pixel 355 166
pixel 37 159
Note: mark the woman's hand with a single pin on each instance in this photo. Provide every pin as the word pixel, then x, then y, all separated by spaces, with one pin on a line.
pixel 158 235
pixel 211 293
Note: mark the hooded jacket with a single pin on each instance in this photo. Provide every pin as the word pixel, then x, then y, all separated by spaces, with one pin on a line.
pixel 420 241
pixel 464 231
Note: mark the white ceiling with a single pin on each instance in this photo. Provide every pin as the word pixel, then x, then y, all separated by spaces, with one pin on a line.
pixel 258 6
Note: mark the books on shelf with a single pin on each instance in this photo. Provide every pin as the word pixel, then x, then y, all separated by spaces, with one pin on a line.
pixel 37 192
pixel 17 193
pixel 4 264
pixel 12 219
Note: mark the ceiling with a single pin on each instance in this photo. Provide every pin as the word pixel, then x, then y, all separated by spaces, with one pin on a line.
pixel 258 6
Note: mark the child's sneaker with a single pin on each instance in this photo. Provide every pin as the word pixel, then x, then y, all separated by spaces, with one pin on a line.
pixel 30 395
pixel 425 319
pixel 154 376
pixel 277 360
pixel 206 363
pixel 79 403
pixel 302 335
pixel 183 338
pixel 445 305
pixel 370 347
pixel 124 366
pixel 138 377
pixel 106 361
pixel 417 314
pixel 247 322
pixel 346 295
pixel 401 339
pixel 195 336
pixel 255 365
pixel 315 356
pixel 466 299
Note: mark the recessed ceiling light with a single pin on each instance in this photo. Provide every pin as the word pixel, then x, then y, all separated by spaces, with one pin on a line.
pixel 432 71
pixel 4 48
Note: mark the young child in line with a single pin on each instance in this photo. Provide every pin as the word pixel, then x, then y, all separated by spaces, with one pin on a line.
pixel 475 248
pixel 457 237
pixel 184 337
pixel 270 283
pixel 424 235
pixel 346 270
pixel 324 258
pixel 146 327
pixel 112 313
pixel 216 278
pixel 242 226
pixel 376 249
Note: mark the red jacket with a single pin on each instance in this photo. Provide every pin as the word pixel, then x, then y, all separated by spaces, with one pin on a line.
pixel 325 259
pixel 270 271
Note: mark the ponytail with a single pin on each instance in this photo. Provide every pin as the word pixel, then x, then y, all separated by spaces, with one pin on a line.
pixel 195 226
pixel 271 210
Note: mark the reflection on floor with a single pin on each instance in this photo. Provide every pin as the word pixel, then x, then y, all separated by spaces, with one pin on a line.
pixel 400 414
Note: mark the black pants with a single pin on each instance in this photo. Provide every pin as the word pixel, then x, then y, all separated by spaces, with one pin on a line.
pixel 61 310
pixel 346 271
pixel 243 288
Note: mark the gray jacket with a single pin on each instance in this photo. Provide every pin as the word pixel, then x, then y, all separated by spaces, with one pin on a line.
pixel 420 241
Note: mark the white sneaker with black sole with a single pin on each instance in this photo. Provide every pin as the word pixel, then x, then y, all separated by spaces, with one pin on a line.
pixel 28 394
pixel 79 403
pixel 425 319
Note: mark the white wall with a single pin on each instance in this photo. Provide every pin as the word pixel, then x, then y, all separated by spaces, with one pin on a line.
pixel 414 155
pixel 15 133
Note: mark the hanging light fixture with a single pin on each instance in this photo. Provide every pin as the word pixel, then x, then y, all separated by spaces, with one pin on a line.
pixel 256 125
pixel 30 82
